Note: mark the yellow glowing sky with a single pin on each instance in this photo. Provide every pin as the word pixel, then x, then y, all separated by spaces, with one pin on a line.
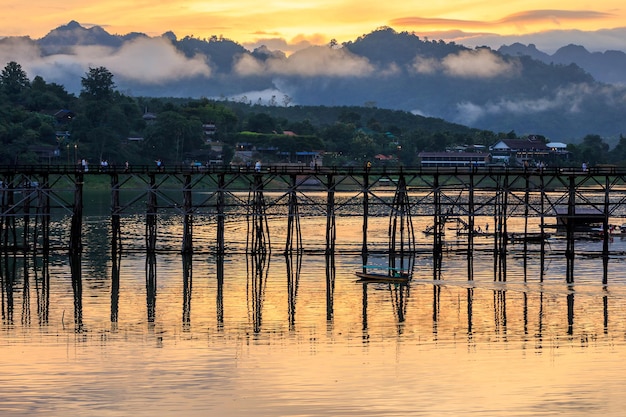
pixel 313 21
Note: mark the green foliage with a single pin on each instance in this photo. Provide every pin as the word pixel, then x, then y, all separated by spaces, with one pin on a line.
pixel 13 80
pixel 97 84
pixel 101 120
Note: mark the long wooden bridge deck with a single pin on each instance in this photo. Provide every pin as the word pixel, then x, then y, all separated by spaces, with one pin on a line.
pixel 33 193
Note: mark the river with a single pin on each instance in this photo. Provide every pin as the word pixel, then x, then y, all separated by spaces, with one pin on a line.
pixel 298 335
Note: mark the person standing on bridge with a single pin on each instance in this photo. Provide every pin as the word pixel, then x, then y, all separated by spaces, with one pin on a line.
pixel 257 166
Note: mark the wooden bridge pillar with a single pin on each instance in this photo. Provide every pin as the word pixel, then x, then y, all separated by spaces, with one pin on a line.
pixel 44 211
pixel 401 232
pixel 220 213
pixel 76 245
pixel 542 224
pixel 470 226
pixel 438 227
pixel 258 231
pixel 605 228
pixel 570 229
pixel 294 233
pixel 365 191
pixel 151 215
pixel 331 233
pixel 187 244
pixel 116 235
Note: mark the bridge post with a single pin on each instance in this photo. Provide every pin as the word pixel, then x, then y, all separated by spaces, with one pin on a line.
pixel 116 235
pixel 438 227
pixel 293 220
pixel 470 225
pixel 76 245
pixel 151 216
pixel 220 213
pixel 331 233
pixel 187 245
pixel 365 211
pixel 570 229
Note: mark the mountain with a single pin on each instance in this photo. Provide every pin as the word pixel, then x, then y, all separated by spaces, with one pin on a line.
pixel 516 88
pixel 61 39
pixel 608 66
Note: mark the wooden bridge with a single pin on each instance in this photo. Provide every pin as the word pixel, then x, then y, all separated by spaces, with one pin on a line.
pixel 563 198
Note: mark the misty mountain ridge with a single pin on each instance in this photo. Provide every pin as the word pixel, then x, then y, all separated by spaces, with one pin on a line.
pixel 608 66
pixel 518 88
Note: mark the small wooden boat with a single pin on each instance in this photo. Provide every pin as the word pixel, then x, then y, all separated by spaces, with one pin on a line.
pixel 527 237
pixel 393 275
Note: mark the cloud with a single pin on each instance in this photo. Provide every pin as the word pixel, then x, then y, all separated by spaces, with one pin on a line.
pixel 262 97
pixel 147 61
pixel 550 41
pixel 569 100
pixel 553 16
pixel 297 43
pixel 479 63
pixel 310 62
pixel 152 61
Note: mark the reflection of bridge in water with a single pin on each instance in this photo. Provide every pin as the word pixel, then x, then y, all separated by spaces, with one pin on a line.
pixel 468 310
pixel 32 196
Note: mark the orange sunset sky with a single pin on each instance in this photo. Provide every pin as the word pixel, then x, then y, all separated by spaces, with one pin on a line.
pixel 312 21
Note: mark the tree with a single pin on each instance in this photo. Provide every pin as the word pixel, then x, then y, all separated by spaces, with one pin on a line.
pixel 97 84
pixel 14 80
pixel 593 150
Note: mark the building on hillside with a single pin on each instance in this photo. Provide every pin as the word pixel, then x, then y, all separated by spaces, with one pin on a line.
pixel 454 159
pixel 558 150
pixel 208 131
pixel 519 151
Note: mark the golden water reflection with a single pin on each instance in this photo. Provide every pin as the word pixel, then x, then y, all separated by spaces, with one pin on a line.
pixel 171 334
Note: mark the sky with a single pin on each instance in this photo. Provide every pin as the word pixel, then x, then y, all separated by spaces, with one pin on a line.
pixel 291 25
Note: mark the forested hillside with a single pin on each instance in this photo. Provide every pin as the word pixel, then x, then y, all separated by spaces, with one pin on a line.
pixel 40 122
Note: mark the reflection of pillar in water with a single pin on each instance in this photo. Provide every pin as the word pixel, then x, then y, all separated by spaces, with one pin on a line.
pixel 330 285
pixel 43 289
pixel 293 277
pixel 570 313
pixel 8 269
pixel 499 305
pixel 25 291
pixel 257 278
pixel 470 311
pixel 77 287
pixel 399 297
pixel 151 286
pixel 116 259
pixel 220 290
pixel 187 286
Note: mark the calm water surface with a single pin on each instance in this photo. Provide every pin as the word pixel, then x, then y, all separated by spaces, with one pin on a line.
pixel 224 337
